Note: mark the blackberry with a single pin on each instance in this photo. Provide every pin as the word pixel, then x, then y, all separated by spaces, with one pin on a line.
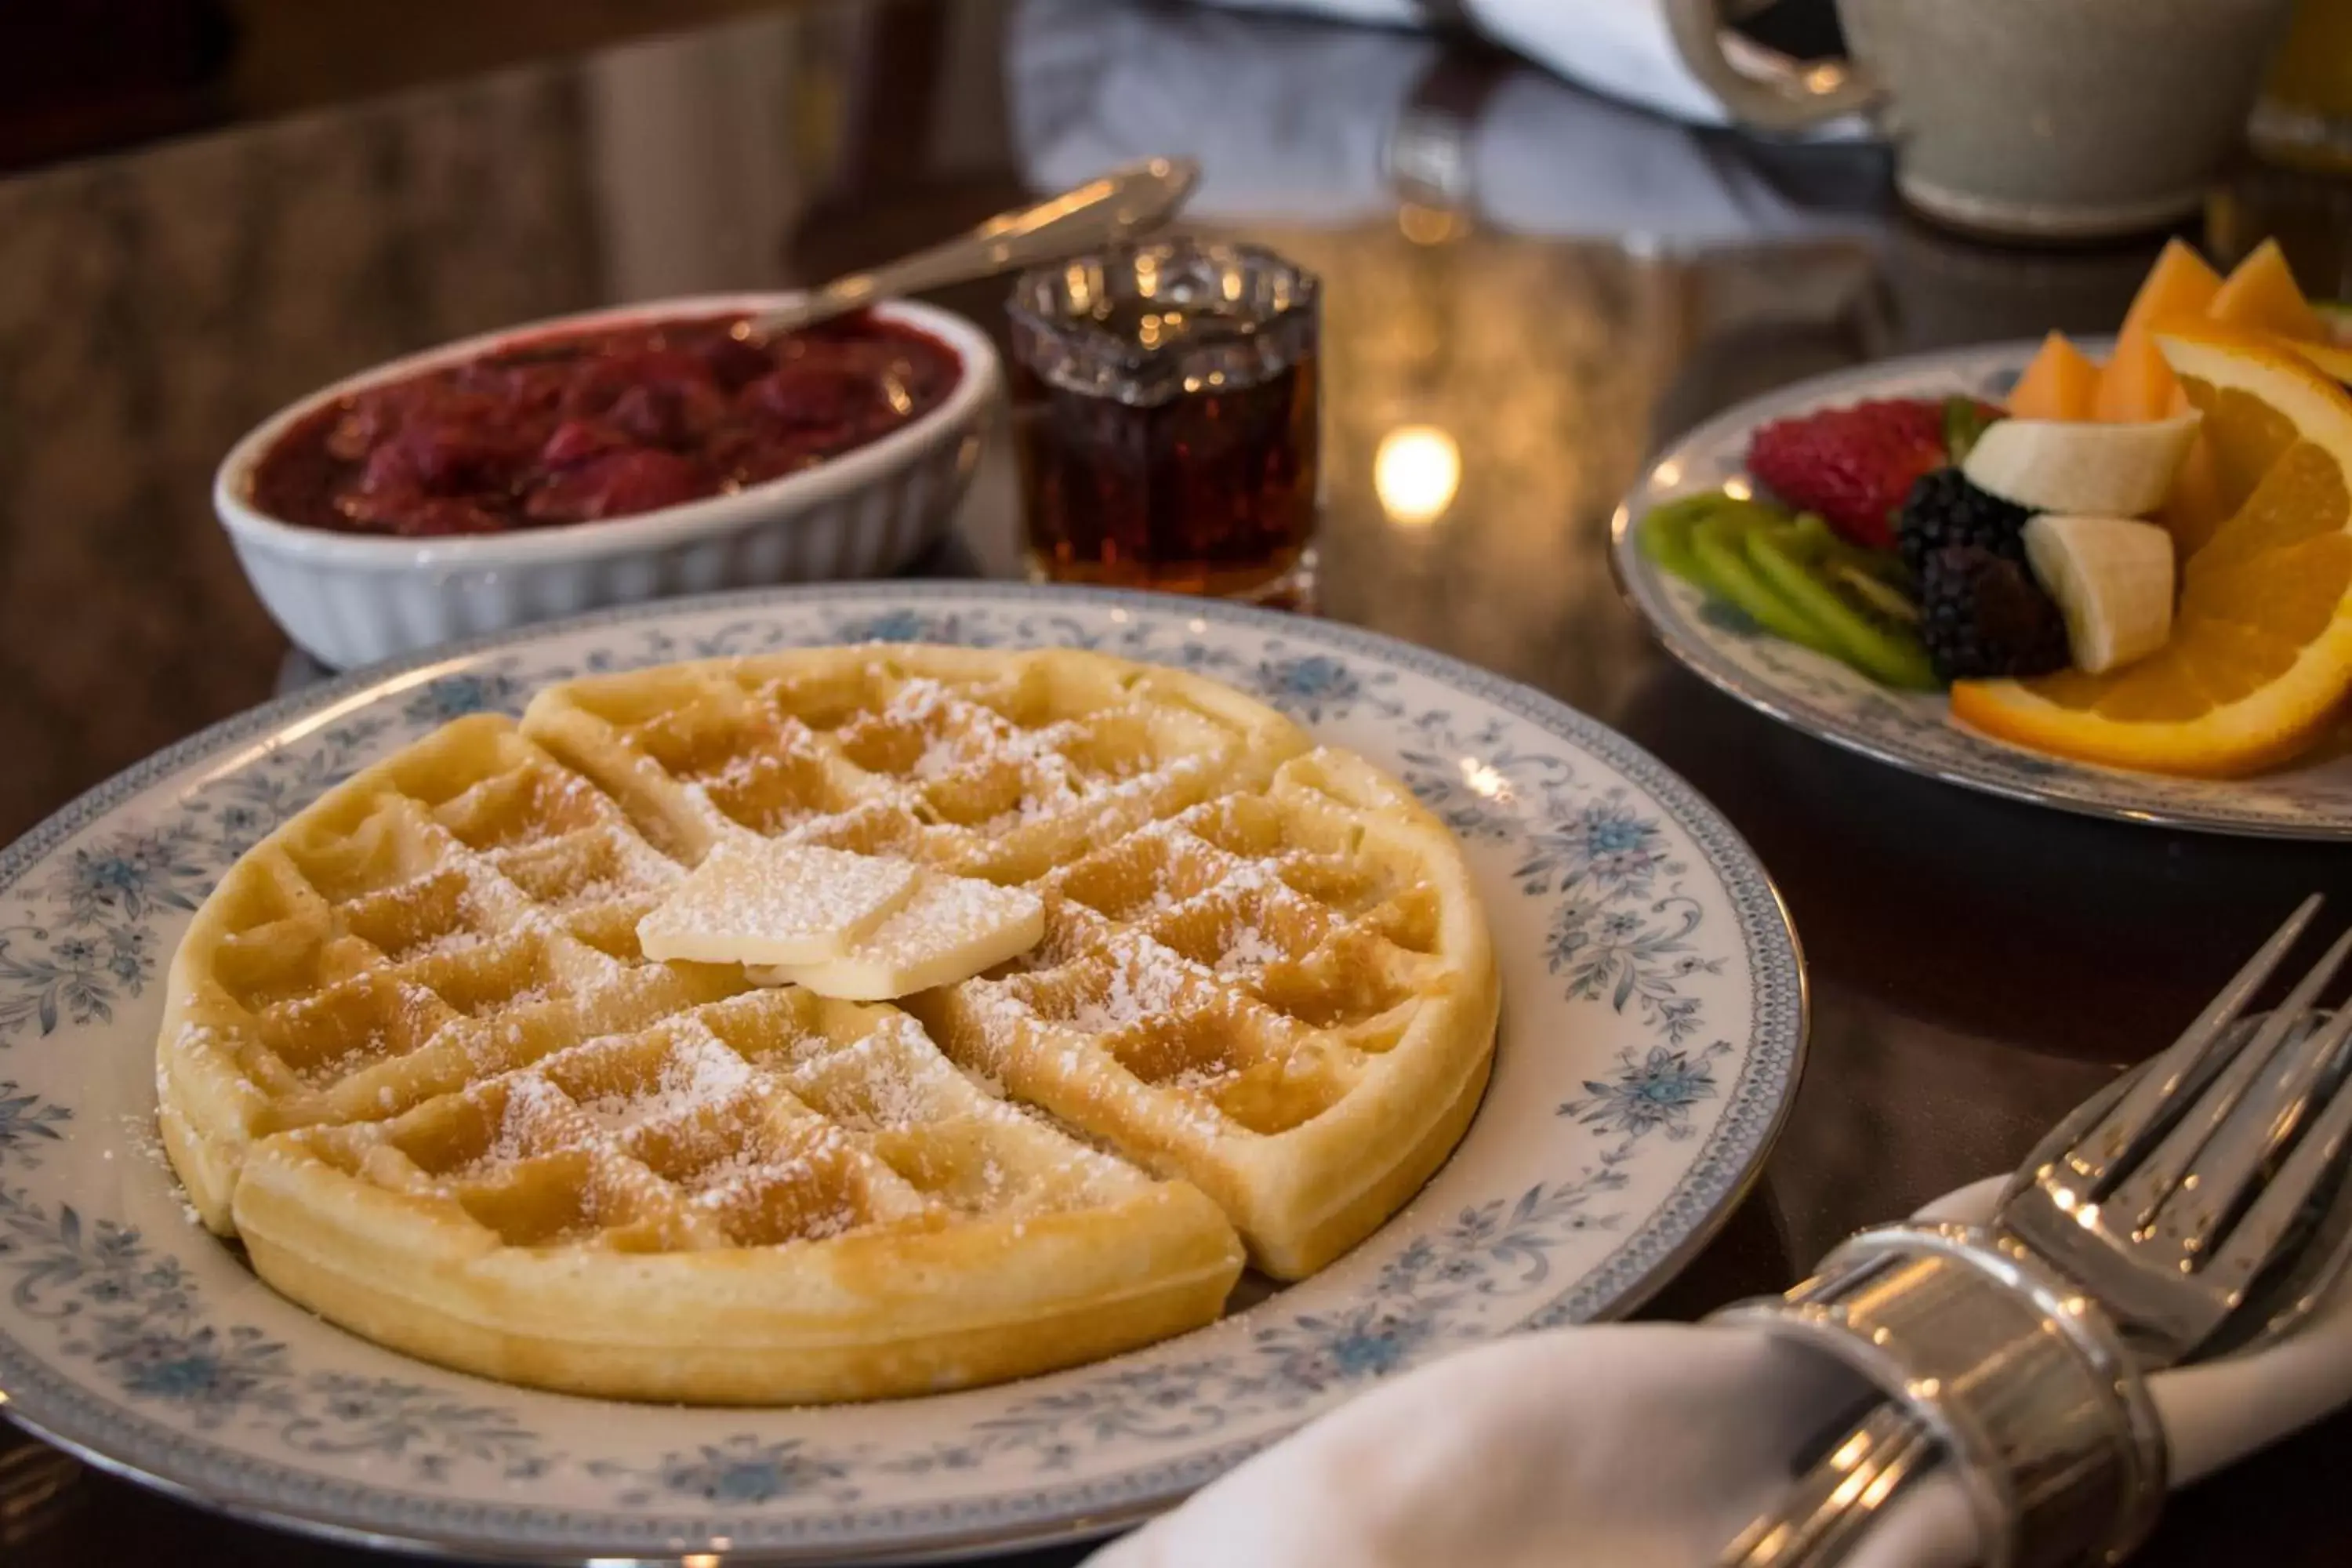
pixel 1983 617
pixel 1944 511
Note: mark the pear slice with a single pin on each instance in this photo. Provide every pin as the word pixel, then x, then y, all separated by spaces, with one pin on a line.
pixel 2074 468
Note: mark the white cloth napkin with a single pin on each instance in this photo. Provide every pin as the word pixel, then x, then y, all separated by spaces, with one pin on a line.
pixel 1645 1446
pixel 1299 123
pixel 1621 47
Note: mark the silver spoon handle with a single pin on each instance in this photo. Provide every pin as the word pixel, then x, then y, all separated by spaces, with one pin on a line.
pixel 1125 202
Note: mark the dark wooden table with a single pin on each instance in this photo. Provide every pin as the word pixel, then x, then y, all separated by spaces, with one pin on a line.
pixel 1978 966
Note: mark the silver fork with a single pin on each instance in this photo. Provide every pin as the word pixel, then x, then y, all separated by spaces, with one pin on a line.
pixel 2165 1198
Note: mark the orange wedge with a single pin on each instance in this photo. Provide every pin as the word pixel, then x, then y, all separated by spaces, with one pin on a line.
pixel 2260 653
pixel 2329 359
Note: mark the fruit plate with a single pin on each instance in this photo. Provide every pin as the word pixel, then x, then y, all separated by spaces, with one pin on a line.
pixel 1838 704
pixel 1654 1025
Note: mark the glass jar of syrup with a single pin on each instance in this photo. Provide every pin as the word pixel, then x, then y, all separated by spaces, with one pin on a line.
pixel 1165 401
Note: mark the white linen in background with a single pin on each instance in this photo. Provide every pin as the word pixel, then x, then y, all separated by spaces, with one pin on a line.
pixel 1621 47
pixel 1294 121
pixel 1645 1446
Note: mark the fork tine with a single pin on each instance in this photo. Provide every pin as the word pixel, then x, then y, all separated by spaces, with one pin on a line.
pixel 2320 1155
pixel 2117 1134
pixel 2290 1286
pixel 2207 1158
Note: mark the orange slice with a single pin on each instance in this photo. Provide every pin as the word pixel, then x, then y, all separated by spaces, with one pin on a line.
pixel 2331 359
pixel 2260 651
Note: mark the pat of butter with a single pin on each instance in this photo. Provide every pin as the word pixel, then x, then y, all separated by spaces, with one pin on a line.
pixel 761 900
pixel 951 929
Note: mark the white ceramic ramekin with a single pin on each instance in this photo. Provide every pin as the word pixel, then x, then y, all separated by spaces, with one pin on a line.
pixel 351 599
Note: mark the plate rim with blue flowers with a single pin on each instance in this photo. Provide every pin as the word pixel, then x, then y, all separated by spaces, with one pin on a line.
pixel 1653 1033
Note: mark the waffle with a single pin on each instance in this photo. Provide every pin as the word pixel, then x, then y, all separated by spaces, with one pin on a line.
pixel 1284 997
pixel 415 1059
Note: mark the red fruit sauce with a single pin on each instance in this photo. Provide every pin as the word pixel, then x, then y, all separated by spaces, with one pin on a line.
pixel 611 422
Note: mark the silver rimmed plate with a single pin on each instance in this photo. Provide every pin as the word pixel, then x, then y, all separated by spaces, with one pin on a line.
pixel 1653 1021
pixel 1837 704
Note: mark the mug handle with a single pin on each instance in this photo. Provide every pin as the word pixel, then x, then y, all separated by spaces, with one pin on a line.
pixel 1787 101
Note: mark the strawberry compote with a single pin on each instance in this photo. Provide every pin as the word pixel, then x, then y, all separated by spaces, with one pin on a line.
pixel 613 422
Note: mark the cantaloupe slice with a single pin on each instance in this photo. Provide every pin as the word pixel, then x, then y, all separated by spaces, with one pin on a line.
pixel 2136 383
pixel 2262 296
pixel 2179 284
pixel 2061 383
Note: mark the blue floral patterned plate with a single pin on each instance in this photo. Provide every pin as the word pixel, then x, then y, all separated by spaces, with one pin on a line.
pixel 1654 1019
pixel 1835 703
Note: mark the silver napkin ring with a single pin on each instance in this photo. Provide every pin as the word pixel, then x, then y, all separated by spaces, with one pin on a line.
pixel 2020 1376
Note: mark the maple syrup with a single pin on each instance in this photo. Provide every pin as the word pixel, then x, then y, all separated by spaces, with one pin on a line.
pixel 1166 414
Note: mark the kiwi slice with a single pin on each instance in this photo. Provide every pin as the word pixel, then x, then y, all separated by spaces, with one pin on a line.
pixel 1665 536
pixel 1718 544
pixel 1880 567
pixel 1871 622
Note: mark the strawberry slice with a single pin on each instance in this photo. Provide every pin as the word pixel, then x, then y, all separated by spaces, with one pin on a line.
pixel 1855 465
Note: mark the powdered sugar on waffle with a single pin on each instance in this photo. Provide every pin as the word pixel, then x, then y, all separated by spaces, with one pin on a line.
pixel 964 731
pixel 448 941
pixel 536 995
pixel 1248 951
pixel 745 1166
pixel 806 1169
pixel 1052 784
pixel 604 890
pixel 414 1009
pixel 893 1096
pixel 533 1107
pixel 966 737
pixel 943 757
pixel 700 1073
pixel 738 776
pixel 918 700
pixel 1145 981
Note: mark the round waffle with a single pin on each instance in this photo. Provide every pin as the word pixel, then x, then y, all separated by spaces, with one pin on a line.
pixel 413 1056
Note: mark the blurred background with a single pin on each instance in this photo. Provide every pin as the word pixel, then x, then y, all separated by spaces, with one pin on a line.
pixel 93 76
pixel 211 206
